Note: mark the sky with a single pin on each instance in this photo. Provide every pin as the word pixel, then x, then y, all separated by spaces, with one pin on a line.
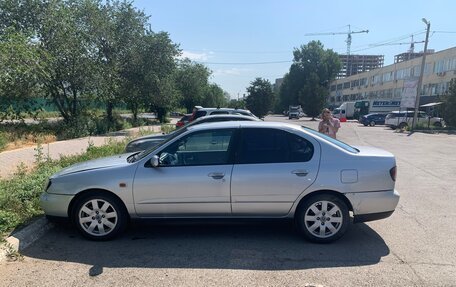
pixel 241 40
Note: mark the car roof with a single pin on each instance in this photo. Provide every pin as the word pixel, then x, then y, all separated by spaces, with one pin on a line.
pixel 228 116
pixel 245 124
pixel 397 112
pixel 221 109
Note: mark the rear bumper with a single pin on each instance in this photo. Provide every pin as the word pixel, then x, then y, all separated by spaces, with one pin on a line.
pixel 368 206
pixel 371 216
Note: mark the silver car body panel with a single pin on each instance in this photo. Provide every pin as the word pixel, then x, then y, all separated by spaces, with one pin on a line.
pixel 244 190
pixel 183 190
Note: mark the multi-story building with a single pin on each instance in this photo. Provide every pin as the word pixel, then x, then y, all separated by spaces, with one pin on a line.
pixel 388 82
pixel 355 64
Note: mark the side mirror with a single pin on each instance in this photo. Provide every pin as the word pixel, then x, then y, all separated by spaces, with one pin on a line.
pixel 154 161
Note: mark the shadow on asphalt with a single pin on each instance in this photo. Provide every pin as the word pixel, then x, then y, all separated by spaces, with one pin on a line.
pixel 219 245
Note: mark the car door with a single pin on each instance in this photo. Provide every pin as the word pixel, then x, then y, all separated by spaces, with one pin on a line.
pixel 272 168
pixel 192 179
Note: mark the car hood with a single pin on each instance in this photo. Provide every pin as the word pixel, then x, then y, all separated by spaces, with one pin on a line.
pixel 105 162
pixel 372 151
pixel 152 137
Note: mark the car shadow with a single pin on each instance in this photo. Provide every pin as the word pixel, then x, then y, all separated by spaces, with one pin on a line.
pixel 218 245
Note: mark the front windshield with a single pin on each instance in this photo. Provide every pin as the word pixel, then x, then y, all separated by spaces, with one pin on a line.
pixel 144 153
pixel 332 140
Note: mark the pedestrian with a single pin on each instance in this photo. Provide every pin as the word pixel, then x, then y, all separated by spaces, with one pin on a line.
pixel 328 125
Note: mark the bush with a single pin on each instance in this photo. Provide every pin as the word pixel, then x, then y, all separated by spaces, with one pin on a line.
pixel 3 140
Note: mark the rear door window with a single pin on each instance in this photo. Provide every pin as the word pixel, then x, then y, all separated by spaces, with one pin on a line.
pixel 272 146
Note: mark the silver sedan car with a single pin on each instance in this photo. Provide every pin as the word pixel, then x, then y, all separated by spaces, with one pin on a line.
pixel 230 170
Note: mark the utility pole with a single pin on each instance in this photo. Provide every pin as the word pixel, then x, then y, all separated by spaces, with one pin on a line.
pixel 420 80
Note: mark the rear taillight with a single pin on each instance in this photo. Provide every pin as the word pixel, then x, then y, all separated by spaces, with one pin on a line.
pixel 393 173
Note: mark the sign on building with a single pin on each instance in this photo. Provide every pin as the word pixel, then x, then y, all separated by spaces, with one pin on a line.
pixel 409 94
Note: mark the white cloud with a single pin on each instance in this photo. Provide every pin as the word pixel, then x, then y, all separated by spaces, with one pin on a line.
pixel 196 56
pixel 230 72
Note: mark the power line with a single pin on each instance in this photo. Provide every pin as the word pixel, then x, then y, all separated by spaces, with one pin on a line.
pixel 445 32
pixel 244 63
pixel 237 52
pixel 387 42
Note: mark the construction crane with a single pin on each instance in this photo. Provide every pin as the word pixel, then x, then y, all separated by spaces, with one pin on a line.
pixel 349 37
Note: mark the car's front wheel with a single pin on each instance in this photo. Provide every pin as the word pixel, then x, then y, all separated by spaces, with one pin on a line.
pixel 99 216
pixel 323 218
pixel 372 123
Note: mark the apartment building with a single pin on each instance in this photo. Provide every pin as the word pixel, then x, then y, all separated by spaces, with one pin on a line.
pixel 388 82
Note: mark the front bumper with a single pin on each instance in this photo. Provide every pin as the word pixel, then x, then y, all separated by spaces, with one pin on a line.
pixel 368 206
pixel 55 204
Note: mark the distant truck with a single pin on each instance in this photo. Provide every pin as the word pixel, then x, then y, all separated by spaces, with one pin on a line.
pixel 375 106
pixel 346 110
pixel 294 112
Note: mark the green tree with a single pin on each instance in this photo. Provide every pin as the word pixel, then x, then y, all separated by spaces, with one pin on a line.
pixel 22 68
pixel 149 76
pixel 214 97
pixel 118 28
pixel 22 15
pixel 236 104
pixel 307 82
pixel 449 104
pixel 68 40
pixel 192 81
pixel 260 98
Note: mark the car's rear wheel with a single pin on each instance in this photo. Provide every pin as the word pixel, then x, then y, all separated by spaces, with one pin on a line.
pixel 438 124
pixel 372 123
pixel 403 125
pixel 99 216
pixel 323 218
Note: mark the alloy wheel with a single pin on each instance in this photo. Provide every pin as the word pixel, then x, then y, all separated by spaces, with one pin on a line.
pixel 97 217
pixel 323 219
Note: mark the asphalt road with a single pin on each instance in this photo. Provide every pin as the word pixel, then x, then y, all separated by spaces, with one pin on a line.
pixel 416 246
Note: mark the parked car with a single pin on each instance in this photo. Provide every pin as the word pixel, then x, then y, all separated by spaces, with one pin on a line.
pixel 373 119
pixel 149 141
pixel 183 121
pixel 230 170
pixel 402 119
pixel 201 112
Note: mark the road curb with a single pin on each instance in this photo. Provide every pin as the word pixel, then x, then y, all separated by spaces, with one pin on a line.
pixel 19 240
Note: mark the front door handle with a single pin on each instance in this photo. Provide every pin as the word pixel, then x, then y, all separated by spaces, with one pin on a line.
pixel 300 172
pixel 216 175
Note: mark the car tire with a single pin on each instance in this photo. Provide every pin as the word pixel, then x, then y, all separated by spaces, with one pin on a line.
pixel 365 124
pixel 104 221
pixel 438 124
pixel 372 123
pixel 403 125
pixel 314 226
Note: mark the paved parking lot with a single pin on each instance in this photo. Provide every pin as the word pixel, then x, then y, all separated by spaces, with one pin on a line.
pixel 416 246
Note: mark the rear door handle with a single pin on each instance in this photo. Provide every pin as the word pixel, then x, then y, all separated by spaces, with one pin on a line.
pixel 216 175
pixel 300 172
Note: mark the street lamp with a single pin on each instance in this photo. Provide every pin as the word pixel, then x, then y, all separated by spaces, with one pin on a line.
pixel 420 80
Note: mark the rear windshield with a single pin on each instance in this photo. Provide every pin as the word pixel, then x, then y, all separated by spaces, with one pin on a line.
pixel 338 143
